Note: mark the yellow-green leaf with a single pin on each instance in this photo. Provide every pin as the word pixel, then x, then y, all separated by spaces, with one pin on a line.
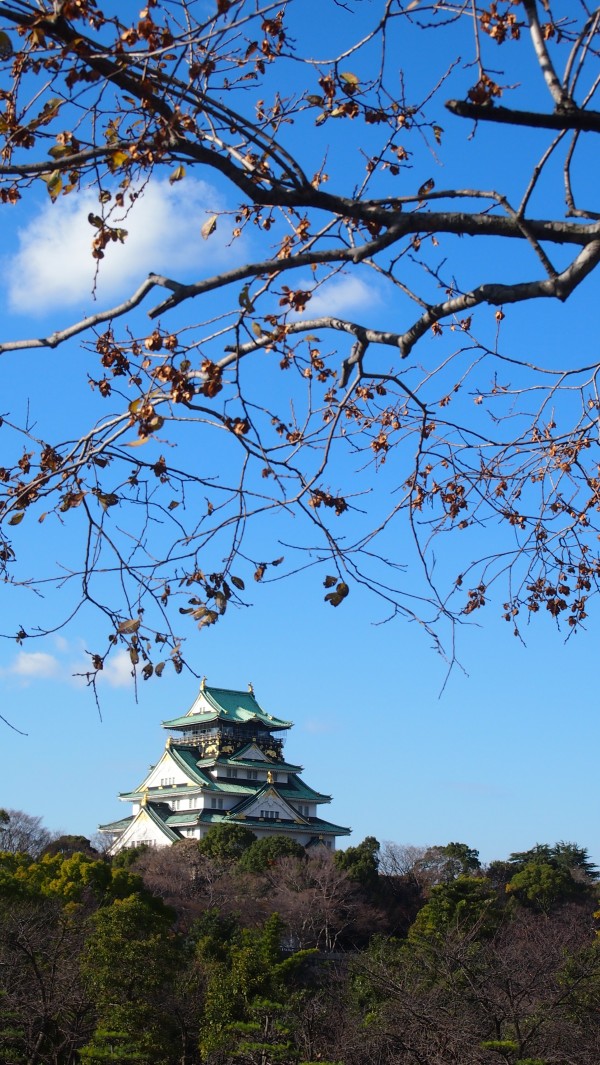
pixel 244 299
pixel 53 183
pixel 59 150
pixel 116 159
pixel 177 175
pixel 17 518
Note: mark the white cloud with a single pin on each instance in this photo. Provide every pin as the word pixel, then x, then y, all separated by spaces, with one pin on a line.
pixel 30 666
pixel 33 665
pixel 53 266
pixel 117 672
pixel 340 295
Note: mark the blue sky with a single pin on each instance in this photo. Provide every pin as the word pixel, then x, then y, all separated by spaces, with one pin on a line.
pixel 500 753
pixel 504 758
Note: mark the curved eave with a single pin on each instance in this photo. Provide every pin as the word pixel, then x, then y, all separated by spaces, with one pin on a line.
pixel 300 826
pixel 242 717
pixel 187 719
pixel 117 826
pixel 231 702
pixel 249 763
pixel 184 791
pixel 189 765
pixel 161 822
pixel 298 789
pixel 227 705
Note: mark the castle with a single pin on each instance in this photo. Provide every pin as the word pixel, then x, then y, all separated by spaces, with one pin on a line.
pixel 223 763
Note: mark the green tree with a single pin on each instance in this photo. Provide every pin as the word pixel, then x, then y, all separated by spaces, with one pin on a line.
pixel 464 905
pixel 226 843
pixel 130 964
pixel 263 853
pixel 361 863
pixel 549 875
pixel 442 864
pixel 68 845
pixel 249 983
pixel 543 886
pixel 562 855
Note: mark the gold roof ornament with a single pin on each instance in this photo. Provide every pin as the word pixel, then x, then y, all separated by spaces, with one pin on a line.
pixel 203 684
pixel 269 777
pixel 250 687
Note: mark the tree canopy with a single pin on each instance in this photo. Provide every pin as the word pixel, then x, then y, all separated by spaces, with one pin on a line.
pixel 341 376
pixel 296 963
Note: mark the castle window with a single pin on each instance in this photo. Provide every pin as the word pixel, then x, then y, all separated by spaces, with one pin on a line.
pixel 231 772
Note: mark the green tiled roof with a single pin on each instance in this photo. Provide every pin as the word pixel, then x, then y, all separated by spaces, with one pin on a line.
pixel 297 789
pixel 169 821
pixel 177 817
pixel 116 826
pixel 294 790
pixel 160 815
pixel 234 759
pixel 249 763
pixel 177 791
pixel 286 828
pixel 268 763
pixel 236 707
pixel 189 763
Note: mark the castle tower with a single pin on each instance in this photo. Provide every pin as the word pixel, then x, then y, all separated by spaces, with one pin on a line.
pixel 223 762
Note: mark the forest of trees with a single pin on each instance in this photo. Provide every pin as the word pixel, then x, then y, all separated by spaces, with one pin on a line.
pixel 237 950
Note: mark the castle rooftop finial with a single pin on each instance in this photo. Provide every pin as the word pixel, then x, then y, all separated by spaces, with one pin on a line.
pixel 203 684
pixel 250 687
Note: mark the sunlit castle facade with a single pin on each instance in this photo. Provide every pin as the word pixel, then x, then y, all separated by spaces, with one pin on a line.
pixel 223 762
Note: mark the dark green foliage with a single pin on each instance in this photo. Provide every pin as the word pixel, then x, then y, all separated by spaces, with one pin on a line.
pixel 112 1046
pixel 226 843
pixel 130 964
pixel 127 858
pixel 561 855
pixel 249 983
pixel 264 852
pixel 361 863
pixel 543 886
pixel 68 845
pixel 550 876
pixel 94 968
pixel 442 864
pixel 465 905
